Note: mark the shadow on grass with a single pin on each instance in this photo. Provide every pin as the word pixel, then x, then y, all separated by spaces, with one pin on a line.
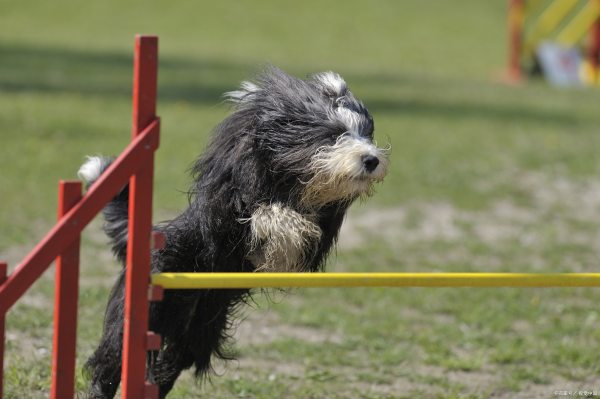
pixel 108 74
pixel 449 111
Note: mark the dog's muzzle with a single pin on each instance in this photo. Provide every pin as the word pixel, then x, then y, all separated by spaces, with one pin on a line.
pixel 345 170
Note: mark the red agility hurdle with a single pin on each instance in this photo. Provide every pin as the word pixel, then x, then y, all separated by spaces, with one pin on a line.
pixel 136 164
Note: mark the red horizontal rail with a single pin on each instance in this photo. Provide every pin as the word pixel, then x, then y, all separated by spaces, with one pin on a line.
pixel 137 154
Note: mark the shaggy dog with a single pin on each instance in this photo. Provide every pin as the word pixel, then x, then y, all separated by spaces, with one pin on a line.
pixel 269 194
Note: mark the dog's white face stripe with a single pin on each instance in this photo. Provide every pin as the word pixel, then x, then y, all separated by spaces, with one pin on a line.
pixel 350 119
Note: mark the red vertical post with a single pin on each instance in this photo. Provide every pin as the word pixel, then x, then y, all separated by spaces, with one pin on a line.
pixel 593 52
pixel 65 303
pixel 3 269
pixel 140 225
pixel 515 38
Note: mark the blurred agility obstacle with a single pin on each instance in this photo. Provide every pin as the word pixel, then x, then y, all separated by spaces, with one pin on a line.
pixel 563 35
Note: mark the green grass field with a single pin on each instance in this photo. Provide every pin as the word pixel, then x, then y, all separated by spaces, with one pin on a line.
pixel 483 177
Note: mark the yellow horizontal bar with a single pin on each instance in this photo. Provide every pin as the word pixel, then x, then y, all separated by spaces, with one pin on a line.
pixel 580 24
pixel 280 280
pixel 548 21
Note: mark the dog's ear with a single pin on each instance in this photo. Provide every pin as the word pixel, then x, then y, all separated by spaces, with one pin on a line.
pixel 331 84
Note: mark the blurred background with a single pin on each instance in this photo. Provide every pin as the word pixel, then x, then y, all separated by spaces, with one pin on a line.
pixel 484 176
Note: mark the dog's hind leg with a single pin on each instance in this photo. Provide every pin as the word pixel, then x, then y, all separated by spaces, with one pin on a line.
pixel 165 366
pixel 171 319
pixel 104 366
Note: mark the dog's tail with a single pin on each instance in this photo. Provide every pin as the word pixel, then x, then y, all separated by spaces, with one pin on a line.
pixel 116 214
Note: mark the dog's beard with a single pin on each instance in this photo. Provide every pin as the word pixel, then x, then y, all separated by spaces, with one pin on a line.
pixel 338 172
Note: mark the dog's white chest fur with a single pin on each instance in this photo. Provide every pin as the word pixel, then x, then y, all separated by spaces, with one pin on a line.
pixel 281 238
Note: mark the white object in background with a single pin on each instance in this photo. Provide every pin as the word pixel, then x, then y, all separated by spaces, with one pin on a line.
pixel 560 65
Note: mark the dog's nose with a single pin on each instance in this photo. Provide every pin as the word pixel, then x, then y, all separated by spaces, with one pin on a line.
pixel 370 162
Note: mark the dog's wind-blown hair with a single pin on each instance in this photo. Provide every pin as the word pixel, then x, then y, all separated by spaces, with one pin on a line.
pixel 269 194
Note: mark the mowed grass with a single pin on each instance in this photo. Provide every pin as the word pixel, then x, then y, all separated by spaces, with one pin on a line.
pixel 483 177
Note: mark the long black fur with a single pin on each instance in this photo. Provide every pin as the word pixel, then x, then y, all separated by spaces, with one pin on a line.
pixel 258 155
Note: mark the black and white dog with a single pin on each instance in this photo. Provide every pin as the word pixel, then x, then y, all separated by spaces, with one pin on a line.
pixel 269 194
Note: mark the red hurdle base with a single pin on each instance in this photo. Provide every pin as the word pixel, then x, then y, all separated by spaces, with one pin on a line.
pixel 136 166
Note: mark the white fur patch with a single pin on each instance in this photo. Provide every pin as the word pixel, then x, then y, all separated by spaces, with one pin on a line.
pixel 332 80
pixel 339 173
pixel 349 118
pixel 91 169
pixel 281 238
pixel 246 89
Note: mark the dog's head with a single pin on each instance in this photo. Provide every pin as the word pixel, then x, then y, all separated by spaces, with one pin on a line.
pixel 314 132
